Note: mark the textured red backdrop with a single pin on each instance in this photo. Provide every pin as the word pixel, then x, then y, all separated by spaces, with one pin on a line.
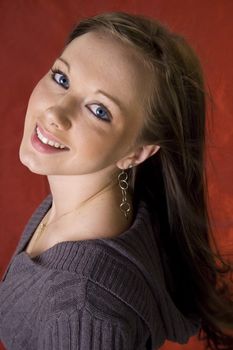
pixel 31 35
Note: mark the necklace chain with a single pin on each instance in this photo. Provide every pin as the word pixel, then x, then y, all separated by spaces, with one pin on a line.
pixel 42 226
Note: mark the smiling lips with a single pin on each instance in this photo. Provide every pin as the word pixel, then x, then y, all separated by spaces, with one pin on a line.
pixel 48 140
pixel 46 144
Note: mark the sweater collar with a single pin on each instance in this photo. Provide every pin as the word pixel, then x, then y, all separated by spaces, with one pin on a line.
pixel 128 265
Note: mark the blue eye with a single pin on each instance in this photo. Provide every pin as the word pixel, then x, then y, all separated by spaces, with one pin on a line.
pixel 60 78
pixel 101 112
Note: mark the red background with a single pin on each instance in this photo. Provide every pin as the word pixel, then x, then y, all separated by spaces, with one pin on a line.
pixel 32 35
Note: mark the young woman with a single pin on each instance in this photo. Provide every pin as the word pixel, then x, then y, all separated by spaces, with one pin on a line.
pixel 118 255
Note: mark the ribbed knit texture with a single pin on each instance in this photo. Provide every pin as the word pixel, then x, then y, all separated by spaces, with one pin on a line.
pixel 90 294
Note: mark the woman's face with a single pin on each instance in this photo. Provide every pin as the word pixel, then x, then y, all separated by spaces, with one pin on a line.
pixel 72 105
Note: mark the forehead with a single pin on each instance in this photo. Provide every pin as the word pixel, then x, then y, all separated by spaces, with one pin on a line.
pixel 103 62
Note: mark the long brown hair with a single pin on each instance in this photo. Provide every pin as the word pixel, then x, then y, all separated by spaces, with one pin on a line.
pixel 174 179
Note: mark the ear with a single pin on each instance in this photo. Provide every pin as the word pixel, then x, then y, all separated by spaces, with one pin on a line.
pixel 137 156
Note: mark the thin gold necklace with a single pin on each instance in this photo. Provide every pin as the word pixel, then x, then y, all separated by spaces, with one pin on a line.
pixel 42 226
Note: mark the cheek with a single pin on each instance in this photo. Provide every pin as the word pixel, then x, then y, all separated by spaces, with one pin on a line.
pixel 40 95
pixel 100 146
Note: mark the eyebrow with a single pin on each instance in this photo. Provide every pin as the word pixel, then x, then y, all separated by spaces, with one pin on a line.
pixel 64 61
pixel 110 97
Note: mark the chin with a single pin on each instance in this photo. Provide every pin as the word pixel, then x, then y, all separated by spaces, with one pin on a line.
pixel 28 160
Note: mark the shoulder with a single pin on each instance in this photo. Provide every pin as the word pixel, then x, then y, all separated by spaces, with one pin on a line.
pixel 83 315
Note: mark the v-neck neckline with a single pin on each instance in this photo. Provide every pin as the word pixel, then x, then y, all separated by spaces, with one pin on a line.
pixel 43 209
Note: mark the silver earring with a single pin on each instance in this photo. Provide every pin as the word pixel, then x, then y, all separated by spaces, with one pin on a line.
pixel 122 178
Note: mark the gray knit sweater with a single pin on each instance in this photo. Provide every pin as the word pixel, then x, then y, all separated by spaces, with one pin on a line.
pixel 99 294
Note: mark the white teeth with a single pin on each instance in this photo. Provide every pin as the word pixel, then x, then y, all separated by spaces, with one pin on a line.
pixel 47 141
pixel 50 143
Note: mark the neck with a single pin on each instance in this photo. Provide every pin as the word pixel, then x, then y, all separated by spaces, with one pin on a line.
pixel 73 193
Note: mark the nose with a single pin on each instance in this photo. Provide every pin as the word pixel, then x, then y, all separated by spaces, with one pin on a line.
pixel 57 117
pixel 62 112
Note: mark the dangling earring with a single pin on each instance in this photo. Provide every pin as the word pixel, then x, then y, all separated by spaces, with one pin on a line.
pixel 122 178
